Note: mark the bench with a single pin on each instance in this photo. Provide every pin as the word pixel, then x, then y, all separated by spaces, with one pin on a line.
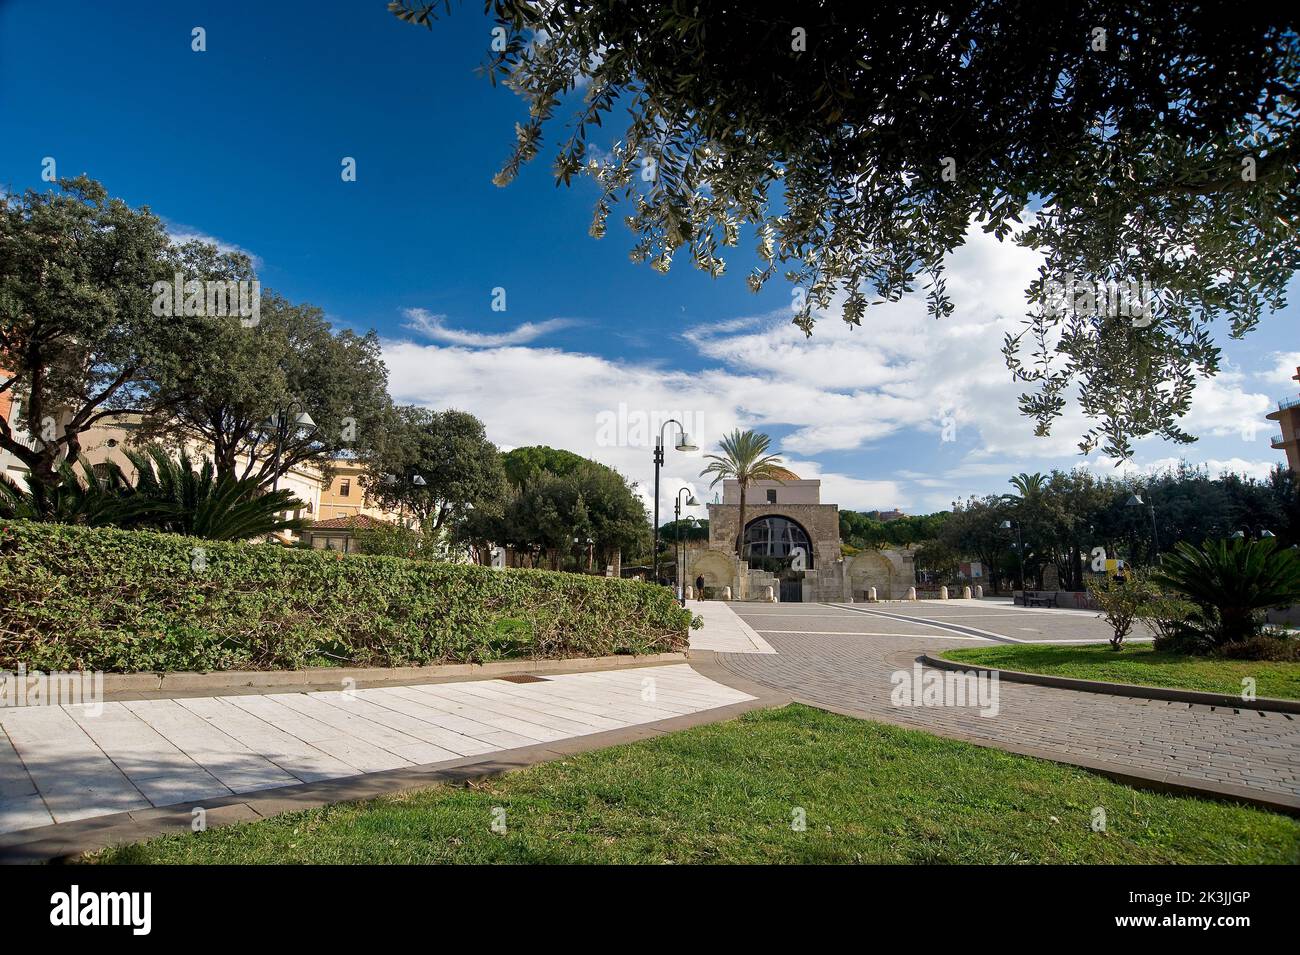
pixel 1038 600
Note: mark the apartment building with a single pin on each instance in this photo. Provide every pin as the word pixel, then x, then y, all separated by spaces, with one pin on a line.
pixel 1288 416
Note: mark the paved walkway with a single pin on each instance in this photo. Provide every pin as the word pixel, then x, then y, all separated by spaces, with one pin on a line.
pixel 723 630
pixel 61 763
pixel 844 657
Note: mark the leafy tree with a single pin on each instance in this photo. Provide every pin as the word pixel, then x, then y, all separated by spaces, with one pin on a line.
pixel 77 336
pixel 435 465
pixel 974 529
pixel 554 514
pixel 1122 598
pixel 1153 139
pixel 745 460
pixel 243 389
pixel 939 558
pixel 523 465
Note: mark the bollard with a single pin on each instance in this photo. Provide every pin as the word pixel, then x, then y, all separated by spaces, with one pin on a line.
pixel 690 592
pixel 965 593
pixel 871 595
pixel 768 595
pixel 943 593
pixel 979 591
pixel 726 593
pixel 911 593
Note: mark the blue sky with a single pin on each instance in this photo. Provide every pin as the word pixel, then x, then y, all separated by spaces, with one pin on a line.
pixel 243 143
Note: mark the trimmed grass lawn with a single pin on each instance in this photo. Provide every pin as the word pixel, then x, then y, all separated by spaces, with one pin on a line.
pixel 1138 663
pixel 730 792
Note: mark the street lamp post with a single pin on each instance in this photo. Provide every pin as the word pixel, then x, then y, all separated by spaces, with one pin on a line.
pixel 1135 500
pixel 301 420
pixel 683 444
pixel 678 563
pixel 417 480
pixel 1020 552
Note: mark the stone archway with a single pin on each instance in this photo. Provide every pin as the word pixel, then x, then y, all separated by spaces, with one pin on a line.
pixel 717 568
pixel 870 569
pixel 772 538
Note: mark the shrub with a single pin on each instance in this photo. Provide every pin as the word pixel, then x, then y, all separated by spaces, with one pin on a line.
pixel 1273 646
pixel 109 599
pixel 1166 616
pixel 1121 599
pixel 391 540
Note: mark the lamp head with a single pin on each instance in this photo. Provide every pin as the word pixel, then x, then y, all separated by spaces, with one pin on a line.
pixel 419 481
pixel 1134 500
pixel 1005 525
pixel 1238 535
pixel 684 443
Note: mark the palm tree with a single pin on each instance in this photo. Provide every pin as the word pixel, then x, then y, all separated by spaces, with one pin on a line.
pixel 744 458
pixel 199 504
pixel 1029 486
pixel 93 499
pixel 1231 582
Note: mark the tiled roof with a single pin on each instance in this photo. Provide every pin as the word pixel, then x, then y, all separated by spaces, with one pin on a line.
pixel 353 522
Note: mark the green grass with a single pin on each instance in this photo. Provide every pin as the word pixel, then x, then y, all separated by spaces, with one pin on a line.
pixel 1138 663
pixel 727 793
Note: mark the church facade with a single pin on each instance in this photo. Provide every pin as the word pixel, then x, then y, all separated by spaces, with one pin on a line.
pixel 792 550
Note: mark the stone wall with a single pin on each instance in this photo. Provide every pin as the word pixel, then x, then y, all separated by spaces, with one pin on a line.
pixel 821 521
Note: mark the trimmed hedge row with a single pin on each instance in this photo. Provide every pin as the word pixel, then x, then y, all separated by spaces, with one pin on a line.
pixel 123 601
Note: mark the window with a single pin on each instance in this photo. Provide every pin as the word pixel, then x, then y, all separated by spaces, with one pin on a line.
pixel 345 487
pixel 773 539
pixel 771 496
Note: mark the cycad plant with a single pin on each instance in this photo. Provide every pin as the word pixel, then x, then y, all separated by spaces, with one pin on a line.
pixel 1231 583
pixel 199 504
pixel 744 457
pixel 92 498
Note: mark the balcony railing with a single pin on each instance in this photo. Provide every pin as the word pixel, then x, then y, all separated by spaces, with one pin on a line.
pixel 1276 441
pixel 1285 403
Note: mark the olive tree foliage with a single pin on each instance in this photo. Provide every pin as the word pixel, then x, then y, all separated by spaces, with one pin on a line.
pixel 856 144
pixel 78 342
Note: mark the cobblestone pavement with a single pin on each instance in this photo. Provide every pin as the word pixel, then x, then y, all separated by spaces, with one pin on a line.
pixel 844 658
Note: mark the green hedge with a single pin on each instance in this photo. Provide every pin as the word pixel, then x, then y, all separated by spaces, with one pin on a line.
pixel 114 600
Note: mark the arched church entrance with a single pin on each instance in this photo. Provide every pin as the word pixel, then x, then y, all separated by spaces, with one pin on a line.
pixel 781 547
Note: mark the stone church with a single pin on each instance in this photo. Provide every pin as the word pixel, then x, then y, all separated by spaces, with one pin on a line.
pixel 792 549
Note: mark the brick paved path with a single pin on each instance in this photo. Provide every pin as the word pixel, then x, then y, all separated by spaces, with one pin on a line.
pixel 844 658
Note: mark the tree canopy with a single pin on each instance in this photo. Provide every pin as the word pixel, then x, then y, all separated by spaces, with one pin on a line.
pixel 555 503
pixel 77 340
pixel 436 465
pixel 1150 140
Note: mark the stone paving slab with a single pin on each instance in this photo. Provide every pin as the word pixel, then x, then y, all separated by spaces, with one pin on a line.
pixel 851 672
pixel 723 630
pixel 62 764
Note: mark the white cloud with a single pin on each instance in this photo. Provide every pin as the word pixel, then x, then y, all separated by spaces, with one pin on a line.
pixel 180 234
pixel 1214 467
pixel 844 390
pixel 1283 372
pixel 435 327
